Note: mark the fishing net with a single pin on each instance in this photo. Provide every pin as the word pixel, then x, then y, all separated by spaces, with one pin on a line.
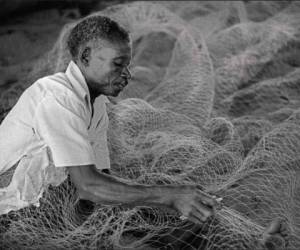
pixel 216 109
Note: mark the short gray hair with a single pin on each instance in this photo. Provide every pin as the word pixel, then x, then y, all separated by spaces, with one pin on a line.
pixel 93 28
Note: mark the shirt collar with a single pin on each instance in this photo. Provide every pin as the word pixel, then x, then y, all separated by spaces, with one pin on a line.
pixel 78 82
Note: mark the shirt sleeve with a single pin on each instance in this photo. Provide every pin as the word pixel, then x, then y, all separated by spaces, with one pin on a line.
pixel 65 132
pixel 98 133
pixel 98 138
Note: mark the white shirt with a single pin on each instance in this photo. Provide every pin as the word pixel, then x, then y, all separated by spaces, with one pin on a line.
pixel 55 112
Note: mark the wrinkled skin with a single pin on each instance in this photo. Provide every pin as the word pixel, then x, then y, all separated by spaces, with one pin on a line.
pixel 105 67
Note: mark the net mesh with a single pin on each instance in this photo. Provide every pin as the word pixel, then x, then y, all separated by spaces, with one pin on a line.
pixel 214 111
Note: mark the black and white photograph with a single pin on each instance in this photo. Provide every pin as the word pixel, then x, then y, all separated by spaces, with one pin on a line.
pixel 145 125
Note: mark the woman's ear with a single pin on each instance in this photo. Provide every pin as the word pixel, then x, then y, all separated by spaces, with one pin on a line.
pixel 85 56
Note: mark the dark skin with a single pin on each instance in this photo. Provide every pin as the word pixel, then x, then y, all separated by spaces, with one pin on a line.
pixel 276 235
pixel 105 69
pixel 186 236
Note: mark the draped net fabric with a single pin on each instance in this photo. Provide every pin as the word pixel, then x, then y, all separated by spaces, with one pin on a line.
pixel 214 106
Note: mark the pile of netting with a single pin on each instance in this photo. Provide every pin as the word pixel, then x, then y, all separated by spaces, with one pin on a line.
pixel 214 101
